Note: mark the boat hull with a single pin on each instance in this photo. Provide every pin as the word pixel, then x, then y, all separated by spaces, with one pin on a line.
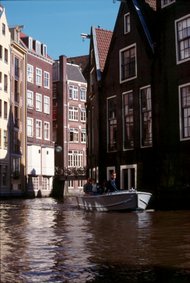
pixel 120 200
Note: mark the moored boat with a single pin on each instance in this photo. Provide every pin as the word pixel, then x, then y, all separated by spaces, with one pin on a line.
pixel 119 201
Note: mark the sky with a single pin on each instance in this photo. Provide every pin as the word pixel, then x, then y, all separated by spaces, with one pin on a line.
pixel 59 23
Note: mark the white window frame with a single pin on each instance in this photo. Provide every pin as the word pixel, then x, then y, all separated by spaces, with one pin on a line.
pixel 46 104
pixel 39 102
pixel 129 168
pixel 38 76
pixel 83 115
pixel 30 99
pixel 75 133
pixel 75 158
pixel 83 135
pixel 132 46
pixel 73 113
pixel 73 92
pixel 127 23
pixel 83 94
pixel 38 129
pixel 30 127
pixel 181 121
pixel 46 79
pixel 46 130
pixel 182 40
pixel 30 73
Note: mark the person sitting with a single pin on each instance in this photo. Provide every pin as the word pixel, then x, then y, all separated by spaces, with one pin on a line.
pixel 111 184
pixel 87 188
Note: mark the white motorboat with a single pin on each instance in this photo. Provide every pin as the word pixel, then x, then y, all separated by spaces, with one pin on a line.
pixel 119 200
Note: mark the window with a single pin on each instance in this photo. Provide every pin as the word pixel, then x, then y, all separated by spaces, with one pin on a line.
pixel 0 108
pixel 73 92
pixel 38 129
pixel 128 176
pixel 75 158
pixel 30 43
pixel 46 80
pixel 5 110
pixel 16 67
pixel 38 102
pixel 183 39
pixel 128 118
pixel 146 116
pixel 44 48
pixel 3 28
pixel 184 98
pixel 82 94
pixel 38 76
pixel 46 104
pixel 73 135
pixel 128 63
pixel 112 124
pixel 5 139
pixel 30 73
pixel 0 143
pixel 29 127
pixel 83 115
pixel 5 83
pixel 83 135
pixel 127 26
pixel 73 113
pixel 38 47
pixel 6 55
pixel 1 52
pixel 165 3
pixel 46 130
pixel 30 99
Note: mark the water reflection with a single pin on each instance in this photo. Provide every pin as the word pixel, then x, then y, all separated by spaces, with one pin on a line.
pixel 43 240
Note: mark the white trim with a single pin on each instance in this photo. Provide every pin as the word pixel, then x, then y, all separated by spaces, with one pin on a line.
pixel 131 166
pixel 180 117
pixel 122 50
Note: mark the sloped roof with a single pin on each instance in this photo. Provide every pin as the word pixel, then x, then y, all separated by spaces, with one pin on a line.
pixel 102 39
pixel 74 73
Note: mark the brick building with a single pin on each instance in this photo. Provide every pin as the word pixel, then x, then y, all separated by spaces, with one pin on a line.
pixel 69 123
pixel 144 133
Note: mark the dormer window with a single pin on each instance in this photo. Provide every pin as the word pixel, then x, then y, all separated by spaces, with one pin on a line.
pixel 165 3
pixel 127 26
pixel 30 43
pixel 38 47
pixel 44 50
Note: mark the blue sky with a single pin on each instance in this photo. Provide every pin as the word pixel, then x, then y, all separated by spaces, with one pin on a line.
pixel 59 23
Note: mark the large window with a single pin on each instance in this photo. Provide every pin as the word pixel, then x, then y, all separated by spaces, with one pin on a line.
pixel 73 135
pixel 46 80
pixel 82 94
pixel 128 63
pixel 29 127
pixel 5 110
pixel 46 131
pixel 46 104
pixel 5 139
pixel 128 118
pixel 75 158
pixel 73 113
pixel 146 116
pixel 112 124
pixel 83 135
pixel 38 129
pixel 5 83
pixel 30 99
pixel 38 76
pixel 73 92
pixel 38 102
pixel 183 39
pixel 83 115
pixel 184 98
pixel 30 73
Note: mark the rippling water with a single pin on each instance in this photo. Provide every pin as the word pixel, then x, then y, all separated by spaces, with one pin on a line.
pixel 44 240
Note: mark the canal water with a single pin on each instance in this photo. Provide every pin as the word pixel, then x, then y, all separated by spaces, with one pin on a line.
pixel 45 240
